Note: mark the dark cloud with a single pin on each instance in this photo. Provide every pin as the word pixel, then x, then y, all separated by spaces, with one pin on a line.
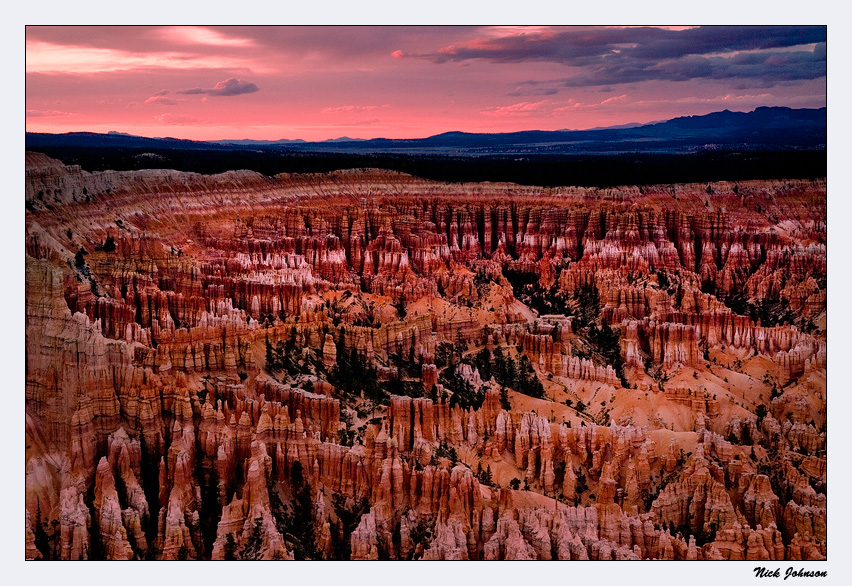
pixel 533 91
pixel 725 39
pixel 230 87
pixel 760 69
pixel 612 56
pixel 580 45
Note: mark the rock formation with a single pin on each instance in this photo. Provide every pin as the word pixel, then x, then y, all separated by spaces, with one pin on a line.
pixel 367 365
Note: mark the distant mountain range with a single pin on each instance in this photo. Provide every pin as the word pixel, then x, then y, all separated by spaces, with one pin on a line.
pixel 765 128
pixel 279 142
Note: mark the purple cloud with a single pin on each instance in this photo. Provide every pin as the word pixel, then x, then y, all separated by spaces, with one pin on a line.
pixel 585 45
pixel 607 56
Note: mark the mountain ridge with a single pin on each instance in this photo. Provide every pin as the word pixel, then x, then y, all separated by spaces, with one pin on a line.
pixel 764 128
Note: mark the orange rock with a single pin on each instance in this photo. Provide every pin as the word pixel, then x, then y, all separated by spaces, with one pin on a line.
pixel 147 383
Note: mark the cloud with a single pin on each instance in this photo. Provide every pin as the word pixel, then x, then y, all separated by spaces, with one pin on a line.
pixel 347 109
pixel 754 69
pixel 230 87
pixel 364 122
pixel 196 35
pixel 533 91
pixel 542 108
pixel 610 56
pixel 178 119
pixel 614 99
pixel 519 109
pixel 720 99
pixel 49 113
pixel 271 48
pixel 573 105
pixel 161 100
pixel 50 58
pixel 577 46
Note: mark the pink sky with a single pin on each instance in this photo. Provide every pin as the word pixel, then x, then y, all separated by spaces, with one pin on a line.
pixel 317 83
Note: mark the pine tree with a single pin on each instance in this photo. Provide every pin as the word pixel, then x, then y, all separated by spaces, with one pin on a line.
pixel 504 399
pixel 41 540
pixel 230 547
pixel 80 259
pixel 303 523
pixel 486 478
pixel 269 357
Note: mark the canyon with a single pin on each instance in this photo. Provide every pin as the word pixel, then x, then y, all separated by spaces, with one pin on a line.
pixel 365 365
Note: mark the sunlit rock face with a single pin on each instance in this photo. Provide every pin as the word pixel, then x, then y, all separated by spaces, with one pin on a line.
pixel 367 365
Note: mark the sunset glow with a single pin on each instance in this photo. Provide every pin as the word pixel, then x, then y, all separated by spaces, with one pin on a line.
pixel 316 83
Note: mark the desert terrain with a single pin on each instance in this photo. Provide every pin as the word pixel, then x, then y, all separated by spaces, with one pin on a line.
pixel 366 365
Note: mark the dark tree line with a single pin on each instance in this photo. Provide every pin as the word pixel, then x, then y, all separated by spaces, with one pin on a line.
pixel 464 395
pixel 349 513
pixel 769 312
pixel 607 342
pixel 283 355
pixel 534 169
pixel 353 377
pixel 297 526
pixel 527 290
pixel 518 375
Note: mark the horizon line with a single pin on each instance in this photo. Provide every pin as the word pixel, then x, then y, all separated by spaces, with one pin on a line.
pixel 356 139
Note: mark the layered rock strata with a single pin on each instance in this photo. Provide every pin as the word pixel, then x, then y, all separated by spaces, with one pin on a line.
pixel 366 365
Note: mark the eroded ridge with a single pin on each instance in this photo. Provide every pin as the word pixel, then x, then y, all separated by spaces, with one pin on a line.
pixel 366 365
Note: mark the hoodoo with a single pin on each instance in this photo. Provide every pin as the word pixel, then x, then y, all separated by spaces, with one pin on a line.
pixel 368 365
